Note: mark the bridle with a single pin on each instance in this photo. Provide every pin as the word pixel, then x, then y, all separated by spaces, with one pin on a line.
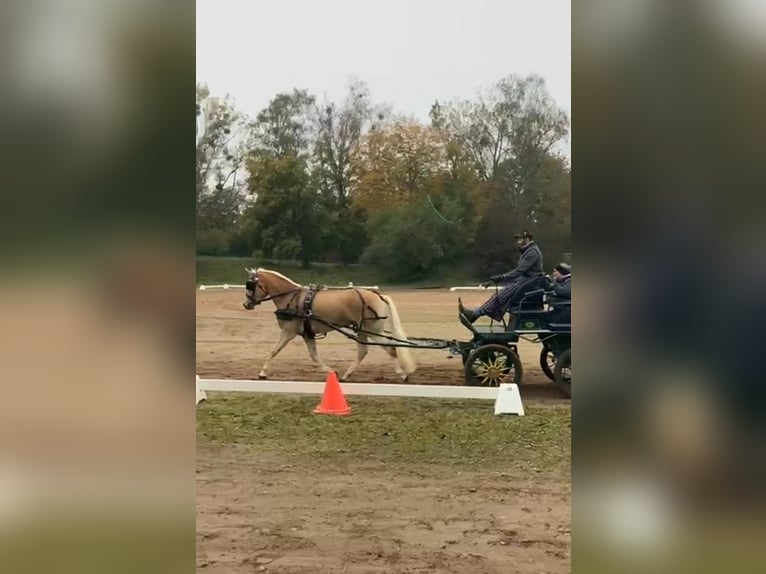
pixel 252 284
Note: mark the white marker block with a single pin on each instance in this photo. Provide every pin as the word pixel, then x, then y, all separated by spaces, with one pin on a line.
pixel 201 396
pixel 225 285
pixel 202 287
pixel 508 401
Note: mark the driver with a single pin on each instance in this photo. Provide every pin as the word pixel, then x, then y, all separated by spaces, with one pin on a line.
pixel 530 266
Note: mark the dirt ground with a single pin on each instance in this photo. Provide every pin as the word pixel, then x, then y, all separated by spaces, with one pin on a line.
pixel 263 513
pixel 261 510
pixel 234 343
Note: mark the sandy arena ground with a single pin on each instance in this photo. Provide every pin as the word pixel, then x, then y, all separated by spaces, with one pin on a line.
pixel 260 511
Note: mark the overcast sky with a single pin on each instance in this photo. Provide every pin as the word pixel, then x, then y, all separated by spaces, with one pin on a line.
pixel 410 52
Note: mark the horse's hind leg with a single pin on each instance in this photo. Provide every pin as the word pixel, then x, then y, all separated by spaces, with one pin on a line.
pixel 311 345
pixel 361 353
pixel 391 351
pixel 284 338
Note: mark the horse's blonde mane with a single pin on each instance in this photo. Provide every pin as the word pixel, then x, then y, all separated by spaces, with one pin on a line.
pixel 277 274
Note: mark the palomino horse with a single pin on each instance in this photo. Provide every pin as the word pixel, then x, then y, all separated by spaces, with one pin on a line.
pixel 370 314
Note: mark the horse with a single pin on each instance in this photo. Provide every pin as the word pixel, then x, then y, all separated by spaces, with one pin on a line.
pixel 371 315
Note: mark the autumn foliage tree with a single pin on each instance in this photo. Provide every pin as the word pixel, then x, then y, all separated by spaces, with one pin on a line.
pixel 407 185
pixel 398 164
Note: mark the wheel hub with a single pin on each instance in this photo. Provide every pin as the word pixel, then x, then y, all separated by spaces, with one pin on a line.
pixel 492 370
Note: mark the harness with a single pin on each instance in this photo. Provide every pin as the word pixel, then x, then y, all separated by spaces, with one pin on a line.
pixel 308 302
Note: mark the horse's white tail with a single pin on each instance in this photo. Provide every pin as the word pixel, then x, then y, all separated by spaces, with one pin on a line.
pixel 402 353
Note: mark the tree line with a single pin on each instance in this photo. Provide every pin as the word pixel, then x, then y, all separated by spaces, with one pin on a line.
pixel 353 181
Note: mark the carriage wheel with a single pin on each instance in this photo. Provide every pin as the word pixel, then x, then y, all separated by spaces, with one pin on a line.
pixel 563 372
pixel 548 362
pixel 491 366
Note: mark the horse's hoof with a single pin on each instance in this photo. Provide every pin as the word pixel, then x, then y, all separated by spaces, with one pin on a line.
pixel 405 379
pixel 262 377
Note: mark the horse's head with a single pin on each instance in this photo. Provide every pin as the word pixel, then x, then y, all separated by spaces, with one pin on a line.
pixel 267 285
pixel 254 291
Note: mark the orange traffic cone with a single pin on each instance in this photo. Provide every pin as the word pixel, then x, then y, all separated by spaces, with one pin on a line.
pixel 333 400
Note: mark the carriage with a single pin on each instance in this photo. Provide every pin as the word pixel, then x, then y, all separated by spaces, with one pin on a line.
pixel 490 357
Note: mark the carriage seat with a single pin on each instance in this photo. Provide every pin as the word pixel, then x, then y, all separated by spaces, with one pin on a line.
pixel 530 297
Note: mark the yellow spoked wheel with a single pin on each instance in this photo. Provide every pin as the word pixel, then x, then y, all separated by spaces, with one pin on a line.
pixel 492 366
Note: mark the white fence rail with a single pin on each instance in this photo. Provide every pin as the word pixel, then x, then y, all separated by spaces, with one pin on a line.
pixel 350 284
pixel 469 288
pixel 232 286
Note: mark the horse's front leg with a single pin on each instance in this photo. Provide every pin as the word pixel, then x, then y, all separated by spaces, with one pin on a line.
pixel 284 338
pixel 311 344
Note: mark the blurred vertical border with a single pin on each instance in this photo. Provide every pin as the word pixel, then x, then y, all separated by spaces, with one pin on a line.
pixel 669 464
pixel 96 268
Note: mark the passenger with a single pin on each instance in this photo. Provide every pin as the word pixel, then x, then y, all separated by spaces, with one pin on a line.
pixel 529 267
pixel 562 283
pixel 561 297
